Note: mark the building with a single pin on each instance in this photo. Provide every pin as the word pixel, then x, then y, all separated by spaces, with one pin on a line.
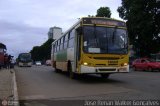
pixel 54 33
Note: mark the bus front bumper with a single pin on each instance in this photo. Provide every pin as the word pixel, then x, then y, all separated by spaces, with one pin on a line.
pixel 99 70
pixel 25 64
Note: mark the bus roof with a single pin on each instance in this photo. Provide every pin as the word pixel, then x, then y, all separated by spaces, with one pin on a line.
pixel 103 18
pixel 80 22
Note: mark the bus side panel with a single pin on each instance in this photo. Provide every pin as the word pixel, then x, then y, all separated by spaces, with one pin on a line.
pixel 61 65
pixel 61 60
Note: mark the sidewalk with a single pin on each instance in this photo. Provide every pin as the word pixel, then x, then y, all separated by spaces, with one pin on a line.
pixel 8 88
pixel 6 83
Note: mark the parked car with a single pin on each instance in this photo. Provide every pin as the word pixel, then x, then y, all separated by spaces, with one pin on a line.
pixel 145 64
pixel 38 63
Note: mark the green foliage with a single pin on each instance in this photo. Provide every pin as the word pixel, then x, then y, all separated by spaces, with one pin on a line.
pixel 43 52
pixel 143 23
pixel 103 12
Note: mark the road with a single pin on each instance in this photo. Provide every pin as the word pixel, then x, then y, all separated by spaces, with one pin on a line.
pixel 42 85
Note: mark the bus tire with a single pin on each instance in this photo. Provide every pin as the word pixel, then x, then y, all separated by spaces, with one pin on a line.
pixel 105 75
pixel 69 69
pixel 55 69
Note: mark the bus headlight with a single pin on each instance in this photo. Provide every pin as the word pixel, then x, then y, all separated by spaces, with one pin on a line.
pixel 85 63
pixel 124 64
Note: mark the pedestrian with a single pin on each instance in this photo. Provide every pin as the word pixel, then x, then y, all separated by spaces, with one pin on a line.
pixel 9 61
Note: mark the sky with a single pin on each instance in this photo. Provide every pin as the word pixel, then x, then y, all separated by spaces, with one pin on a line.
pixel 25 23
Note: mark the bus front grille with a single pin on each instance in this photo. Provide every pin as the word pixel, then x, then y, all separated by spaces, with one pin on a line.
pixel 106 58
pixel 112 64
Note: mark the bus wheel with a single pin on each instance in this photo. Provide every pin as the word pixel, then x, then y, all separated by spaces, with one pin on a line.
pixel 55 68
pixel 71 75
pixel 105 75
pixel 69 68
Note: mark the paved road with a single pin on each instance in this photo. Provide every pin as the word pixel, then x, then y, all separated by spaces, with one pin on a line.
pixel 39 83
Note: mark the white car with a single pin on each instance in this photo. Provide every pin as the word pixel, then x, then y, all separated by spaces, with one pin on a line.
pixel 38 63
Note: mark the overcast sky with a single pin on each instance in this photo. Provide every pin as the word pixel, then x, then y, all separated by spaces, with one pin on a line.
pixel 25 23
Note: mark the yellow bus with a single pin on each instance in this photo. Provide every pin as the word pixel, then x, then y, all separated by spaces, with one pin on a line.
pixel 94 45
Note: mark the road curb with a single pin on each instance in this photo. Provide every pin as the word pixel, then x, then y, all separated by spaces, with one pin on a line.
pixel 15 90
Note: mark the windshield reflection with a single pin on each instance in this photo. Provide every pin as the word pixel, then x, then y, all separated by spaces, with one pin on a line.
pixel 105 40
pixel 25 57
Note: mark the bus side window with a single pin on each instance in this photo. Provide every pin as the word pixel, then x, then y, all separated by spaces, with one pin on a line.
pixel 71 43
pixel 68 35
pixel 58 44
pixel 65 41
pixel 61 44
pixel 71 38
pixel 59 47
pixel 68 39
pixel 72 33
pixel 54 48
pixel 65 44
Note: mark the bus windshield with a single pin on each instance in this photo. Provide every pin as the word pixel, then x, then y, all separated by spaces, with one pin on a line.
pixel 105 40
pixel 25 57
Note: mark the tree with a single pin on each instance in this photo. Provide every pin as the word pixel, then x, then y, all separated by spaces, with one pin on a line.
pixel 43 52
pixel 35 53
pixel 143 24
pixel 103 12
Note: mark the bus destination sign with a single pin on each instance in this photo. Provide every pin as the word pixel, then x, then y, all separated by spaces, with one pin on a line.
pixel 108 22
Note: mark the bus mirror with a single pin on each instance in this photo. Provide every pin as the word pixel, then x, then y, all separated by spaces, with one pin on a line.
pixel 79 30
